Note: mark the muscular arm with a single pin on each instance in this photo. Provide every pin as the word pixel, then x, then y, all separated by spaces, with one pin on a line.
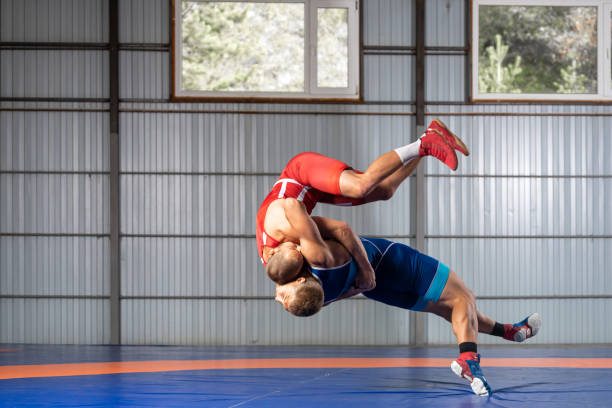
pixel 344 234
pixel 314 248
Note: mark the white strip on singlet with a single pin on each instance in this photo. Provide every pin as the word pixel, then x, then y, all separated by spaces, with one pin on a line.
pixel 281 193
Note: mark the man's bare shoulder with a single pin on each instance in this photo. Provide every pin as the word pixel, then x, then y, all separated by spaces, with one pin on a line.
pixel 276 223
pixel 339 253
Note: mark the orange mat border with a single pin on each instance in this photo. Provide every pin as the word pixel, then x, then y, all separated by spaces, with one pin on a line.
pixel 63 370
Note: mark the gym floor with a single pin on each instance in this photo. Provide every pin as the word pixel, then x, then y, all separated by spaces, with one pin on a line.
pixel 145 376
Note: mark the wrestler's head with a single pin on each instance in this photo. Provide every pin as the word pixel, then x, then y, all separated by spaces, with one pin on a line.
pixel 302 297
pixel 285 263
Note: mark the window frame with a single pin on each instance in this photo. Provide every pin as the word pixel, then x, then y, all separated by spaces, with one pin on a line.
pixel 602 43
pixel 607 63
pixel 312 93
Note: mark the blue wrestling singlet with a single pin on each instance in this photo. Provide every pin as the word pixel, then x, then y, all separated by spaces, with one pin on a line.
pixel 405 277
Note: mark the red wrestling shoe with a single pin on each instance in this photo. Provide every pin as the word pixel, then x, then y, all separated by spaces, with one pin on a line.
pixel 526 328
pixel 434 144
pixel 468 366
pixel 449 136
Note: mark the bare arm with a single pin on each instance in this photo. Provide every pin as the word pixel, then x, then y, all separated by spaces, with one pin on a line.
pixel 344 234
pixel 349 293
pixel 313 247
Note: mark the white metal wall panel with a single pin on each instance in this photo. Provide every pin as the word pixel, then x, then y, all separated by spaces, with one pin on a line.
pixel 388 78
pixel 217 143
pixel 144 74
pixel 144 21
pixel 51 203
pixel 388 22
pixel 262 142
pixel 518 206
pixel 54 266
pixel 564 321
pixel 192 267
pixel 51 141
pixel 65 74
pixel 54 321
pixel 546 144
pixel 191 204
pixel 444 23
pixel 544 175
pixel 54 20
pixel 445 78
pixel 261 322
pixel 528 266
pixel 386 218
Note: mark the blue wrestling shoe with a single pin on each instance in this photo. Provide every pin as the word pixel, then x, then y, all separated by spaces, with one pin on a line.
pixel 526 328
pixel 468 366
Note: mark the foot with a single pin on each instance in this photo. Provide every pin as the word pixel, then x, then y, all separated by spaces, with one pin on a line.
pixel 449 136
pixel 434 144
pixel 468 366
pixel 526 328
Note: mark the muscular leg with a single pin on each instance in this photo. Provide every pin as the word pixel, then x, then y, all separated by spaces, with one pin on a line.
pixel 485 323
pixel 437 141
pixel 389 185
pixel 359 185
pixel 457 304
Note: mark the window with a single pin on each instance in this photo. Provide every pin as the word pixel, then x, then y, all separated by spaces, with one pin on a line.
pixel 281 49
pixel 541 50
pixel 608 56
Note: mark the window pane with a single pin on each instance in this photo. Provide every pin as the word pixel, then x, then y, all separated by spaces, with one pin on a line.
pixel 332 47
pixel 537 49
pixel 229 46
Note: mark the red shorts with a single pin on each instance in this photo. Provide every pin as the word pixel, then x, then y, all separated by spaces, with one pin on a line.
pixel 321 173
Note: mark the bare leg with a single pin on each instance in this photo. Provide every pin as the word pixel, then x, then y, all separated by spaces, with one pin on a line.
pixel 458 305
pixel 435 142
pixel 356 185
pixel 485 323
pixel 388 186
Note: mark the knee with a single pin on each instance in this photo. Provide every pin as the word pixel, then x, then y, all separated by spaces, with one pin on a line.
pixel 467 300
pixel 471 298
pixel 361 188
pixel 386 193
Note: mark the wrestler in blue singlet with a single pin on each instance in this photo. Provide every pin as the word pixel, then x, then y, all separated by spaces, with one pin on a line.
pixel 405 277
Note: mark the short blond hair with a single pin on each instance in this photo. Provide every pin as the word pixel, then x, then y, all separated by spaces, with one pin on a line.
pixel 308 298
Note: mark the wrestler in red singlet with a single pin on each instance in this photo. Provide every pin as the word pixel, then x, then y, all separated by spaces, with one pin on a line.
pixel 312 178
pixel 309 178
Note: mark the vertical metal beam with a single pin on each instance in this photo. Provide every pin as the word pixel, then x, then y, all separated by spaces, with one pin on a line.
pixel 418 320
pixel 468 45
pixel 115 276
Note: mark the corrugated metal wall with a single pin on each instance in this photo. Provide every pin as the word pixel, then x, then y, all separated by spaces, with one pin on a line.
pixel 54 217
pixel 524 217
pixel 528 216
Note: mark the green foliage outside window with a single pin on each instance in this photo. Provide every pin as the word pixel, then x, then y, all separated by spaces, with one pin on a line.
pixel 233 46
pixel 537 49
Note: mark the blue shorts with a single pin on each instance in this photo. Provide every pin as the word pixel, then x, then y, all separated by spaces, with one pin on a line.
pixel 407 278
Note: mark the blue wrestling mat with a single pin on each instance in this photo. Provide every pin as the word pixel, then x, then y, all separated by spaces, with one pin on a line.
pixel 103 376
